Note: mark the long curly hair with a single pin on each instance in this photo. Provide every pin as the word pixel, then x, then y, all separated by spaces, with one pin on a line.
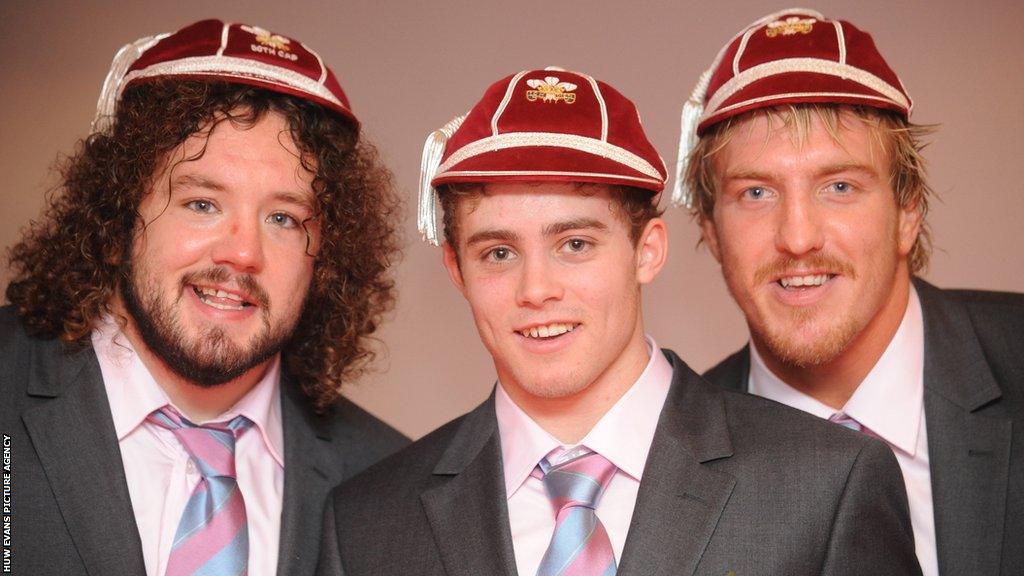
pixel 69 265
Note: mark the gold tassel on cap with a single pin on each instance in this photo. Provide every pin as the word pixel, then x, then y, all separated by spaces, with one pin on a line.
pixel 106 105
pixel 433 151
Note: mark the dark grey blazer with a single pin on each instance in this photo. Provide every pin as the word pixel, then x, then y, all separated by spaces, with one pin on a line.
pixel 974 413
pixel 733 484
pixel 72 514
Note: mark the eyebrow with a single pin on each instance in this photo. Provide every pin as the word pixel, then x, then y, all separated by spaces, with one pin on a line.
pixel 202 182
pixel 553 229
pixel 492 235
pixel 829 170
pixel 196 181
pixel 574 224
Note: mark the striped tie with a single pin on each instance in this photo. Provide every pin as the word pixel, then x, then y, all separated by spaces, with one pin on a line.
pixel 580 544
pixel 212 537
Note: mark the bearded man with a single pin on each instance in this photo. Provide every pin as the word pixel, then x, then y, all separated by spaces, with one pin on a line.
pixel 184 315
pixel 808 182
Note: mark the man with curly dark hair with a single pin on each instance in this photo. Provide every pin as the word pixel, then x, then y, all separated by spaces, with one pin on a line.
pixel 183 316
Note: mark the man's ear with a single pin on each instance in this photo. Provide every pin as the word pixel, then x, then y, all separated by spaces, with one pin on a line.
pixel 909 227
pixel 451 263
pixel 710 235
pixel 651 251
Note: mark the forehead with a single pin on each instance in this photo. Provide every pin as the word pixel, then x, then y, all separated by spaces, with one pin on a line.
pixel 242 154
pixel 800 140
pixel 532 204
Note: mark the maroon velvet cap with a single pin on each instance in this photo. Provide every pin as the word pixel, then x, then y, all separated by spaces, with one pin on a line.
pixel 230 52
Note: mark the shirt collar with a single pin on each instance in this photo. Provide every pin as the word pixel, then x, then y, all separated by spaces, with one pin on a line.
pixel 889 399
pixel 623 435
pixel 134 394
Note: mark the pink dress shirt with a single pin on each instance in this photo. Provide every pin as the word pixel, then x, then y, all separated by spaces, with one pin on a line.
pixel 623 436
pixel 890 403
pixel 160 474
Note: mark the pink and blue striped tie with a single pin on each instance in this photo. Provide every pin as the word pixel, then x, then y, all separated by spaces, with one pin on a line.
pixel 212 538
pixel 580 544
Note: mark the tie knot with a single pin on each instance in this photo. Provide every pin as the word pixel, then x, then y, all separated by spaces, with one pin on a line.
pixel 211 446
pixel 579 481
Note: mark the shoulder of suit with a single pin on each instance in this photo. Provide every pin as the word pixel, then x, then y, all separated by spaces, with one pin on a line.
pixel 731 372
pixel 12 331
pixel 757 423
pixel 349 419
pixel 21 354
pixel 404 470
pixel 987 301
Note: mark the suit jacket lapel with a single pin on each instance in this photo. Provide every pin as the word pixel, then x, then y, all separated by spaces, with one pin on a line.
pixel 680 500
pixel 467 508
pixel 310 472
pixel 968 446
pixel 74 439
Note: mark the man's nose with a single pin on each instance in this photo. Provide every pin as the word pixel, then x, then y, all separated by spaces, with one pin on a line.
pixel 240 246
pixel 799 227
pixel 538 283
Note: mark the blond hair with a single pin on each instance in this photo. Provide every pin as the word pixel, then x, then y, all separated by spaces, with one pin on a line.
pixel 898 137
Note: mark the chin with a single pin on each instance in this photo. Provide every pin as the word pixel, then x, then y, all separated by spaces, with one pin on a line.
pixel 550 387
pixel 814 347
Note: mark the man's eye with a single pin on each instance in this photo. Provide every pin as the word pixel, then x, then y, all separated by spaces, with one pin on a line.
pixel 841 187
pixel 577 245
pixel 204 206
pixel 755 193
pixel 283 220
pixel 500 254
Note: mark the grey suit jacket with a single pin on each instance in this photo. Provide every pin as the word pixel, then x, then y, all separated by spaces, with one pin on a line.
pixel 732 483
pixel 72 514
pixel 974 413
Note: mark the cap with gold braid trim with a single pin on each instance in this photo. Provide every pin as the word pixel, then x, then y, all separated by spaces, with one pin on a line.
pixel 215 50
pixel 549 125
pixel 789 57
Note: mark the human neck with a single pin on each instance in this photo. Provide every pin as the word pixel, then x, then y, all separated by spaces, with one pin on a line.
pixel 571 417
pixel 833 383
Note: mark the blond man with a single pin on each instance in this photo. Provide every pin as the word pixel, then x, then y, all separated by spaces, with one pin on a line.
pixel 806 177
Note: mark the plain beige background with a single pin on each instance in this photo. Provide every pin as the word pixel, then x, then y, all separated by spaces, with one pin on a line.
pixel 409 67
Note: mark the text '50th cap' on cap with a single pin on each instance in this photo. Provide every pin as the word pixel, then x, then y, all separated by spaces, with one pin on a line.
pixel 790 57
pixel 215 50
pixel 540 125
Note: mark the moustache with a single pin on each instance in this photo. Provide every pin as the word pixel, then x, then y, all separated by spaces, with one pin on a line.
pixel 821 263
pixel 219 275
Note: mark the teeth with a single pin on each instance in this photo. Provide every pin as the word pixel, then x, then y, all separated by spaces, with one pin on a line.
pixel 221 306
pixel 815 280
pixel 219 294
pixel 207 293
pixel 548 331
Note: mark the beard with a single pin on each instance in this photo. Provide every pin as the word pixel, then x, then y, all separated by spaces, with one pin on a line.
pixel 780 339
pixel 209 357
pixel 825 348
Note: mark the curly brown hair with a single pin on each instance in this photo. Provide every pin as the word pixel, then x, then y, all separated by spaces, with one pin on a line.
pixel 68 266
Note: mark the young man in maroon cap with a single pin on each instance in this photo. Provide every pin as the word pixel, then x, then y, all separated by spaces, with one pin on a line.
pixel 598 453
pixel 186 311
pixel 808 183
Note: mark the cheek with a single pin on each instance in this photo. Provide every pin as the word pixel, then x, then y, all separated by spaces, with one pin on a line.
pixel 489 298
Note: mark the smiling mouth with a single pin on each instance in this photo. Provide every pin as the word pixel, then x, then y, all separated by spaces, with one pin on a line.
pixel 804 282
pixel 220 299
pixel 548 330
